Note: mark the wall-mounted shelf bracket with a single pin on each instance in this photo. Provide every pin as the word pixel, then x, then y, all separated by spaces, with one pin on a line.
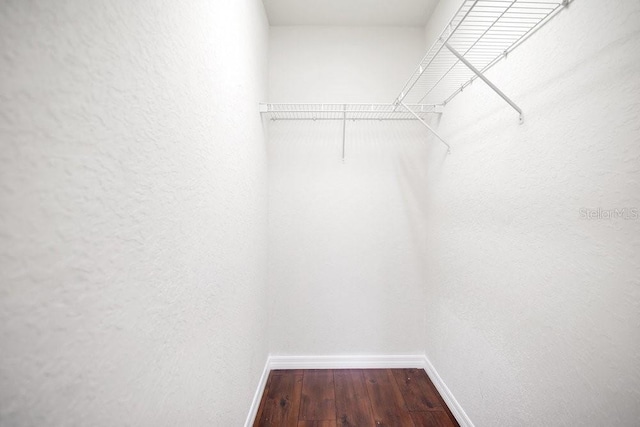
pixel 486 80
pixel 425 124
pixel 344 130
pixel 479 35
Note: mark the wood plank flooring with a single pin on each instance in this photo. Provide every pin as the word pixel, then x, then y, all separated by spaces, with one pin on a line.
pixel 352 398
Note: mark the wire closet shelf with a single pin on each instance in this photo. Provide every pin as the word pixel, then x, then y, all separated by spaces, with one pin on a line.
pixel 480 34
pixel 354 112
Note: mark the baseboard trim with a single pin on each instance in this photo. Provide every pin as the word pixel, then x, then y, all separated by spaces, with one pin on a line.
pixel 357 362
pixel 257 397
pixel 457 411
pixel 346 362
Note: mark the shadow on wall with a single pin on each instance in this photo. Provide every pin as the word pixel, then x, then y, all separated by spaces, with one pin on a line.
pixel 416 175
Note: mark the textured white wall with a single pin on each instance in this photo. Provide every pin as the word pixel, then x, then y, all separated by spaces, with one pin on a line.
pixel 132 212
pixel 533 313
pixel 343 274
pixel 341 64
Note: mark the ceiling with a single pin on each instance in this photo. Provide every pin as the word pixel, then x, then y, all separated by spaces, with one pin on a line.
pixel 349 12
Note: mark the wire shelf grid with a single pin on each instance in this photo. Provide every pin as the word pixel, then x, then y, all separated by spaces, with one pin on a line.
pixel 480 34
pixel 353 112
pixel 483 32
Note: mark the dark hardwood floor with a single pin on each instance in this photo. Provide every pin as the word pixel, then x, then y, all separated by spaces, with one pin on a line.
pixel 352 398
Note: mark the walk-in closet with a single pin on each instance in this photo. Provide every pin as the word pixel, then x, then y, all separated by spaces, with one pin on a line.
pixel 320 213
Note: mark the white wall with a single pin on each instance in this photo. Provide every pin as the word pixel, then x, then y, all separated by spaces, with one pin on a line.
pixel 132 212
pixel 343 273
pixel 341 64
pixel 533 313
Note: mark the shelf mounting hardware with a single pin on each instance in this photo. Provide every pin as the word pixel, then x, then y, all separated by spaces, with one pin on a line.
pixel 480 34
pixel 344 129
pixel 486 80
pixel 425 124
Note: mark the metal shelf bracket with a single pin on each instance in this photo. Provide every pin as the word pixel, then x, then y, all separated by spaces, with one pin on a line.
pixel 486 80
pixel 479 35
pixel 344 130
pixel 425 124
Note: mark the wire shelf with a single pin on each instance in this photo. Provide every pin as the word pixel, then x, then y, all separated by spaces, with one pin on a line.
pixel 354 112
pixel 482 32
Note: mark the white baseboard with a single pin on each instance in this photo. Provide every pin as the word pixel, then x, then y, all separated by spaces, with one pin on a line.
pixel 346 362
pixel 358 362
pixel 257 397
pixel 457 411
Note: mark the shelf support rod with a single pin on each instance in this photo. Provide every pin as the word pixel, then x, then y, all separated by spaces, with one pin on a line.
pixel 427 126
pixel 486 80
pixel 421 68
pixel 344 129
